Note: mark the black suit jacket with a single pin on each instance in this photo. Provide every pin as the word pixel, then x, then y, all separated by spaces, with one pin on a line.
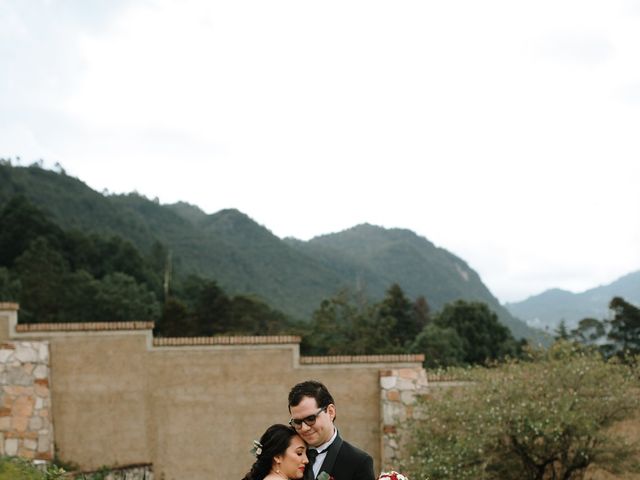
pixel 346 462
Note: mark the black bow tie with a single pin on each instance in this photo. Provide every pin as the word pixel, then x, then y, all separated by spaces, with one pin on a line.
pixel 312 453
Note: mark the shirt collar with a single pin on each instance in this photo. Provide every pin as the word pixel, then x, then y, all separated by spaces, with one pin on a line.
pixel 326 444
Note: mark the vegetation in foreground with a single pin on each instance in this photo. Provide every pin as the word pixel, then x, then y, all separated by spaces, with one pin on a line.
pixel 16 468
pixel 550 416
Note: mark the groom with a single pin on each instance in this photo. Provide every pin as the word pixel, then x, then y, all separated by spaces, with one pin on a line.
pixel 312 415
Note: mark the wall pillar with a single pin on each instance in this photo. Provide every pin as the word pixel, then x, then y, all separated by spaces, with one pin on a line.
pixel 8 320
pixel 26 429
pixel 398 391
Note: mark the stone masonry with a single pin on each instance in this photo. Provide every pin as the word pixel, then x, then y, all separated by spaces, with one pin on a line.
pixel 26 429
pixel 398 391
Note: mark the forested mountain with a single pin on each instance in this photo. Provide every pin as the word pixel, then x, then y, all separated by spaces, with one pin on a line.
pixel 246 258
pixel 371 258
pixel 549 308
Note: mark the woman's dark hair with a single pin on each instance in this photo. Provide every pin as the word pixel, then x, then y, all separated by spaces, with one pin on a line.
pixel 274 441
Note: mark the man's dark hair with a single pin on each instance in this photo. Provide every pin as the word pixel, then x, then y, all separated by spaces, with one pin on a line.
pixel 313 389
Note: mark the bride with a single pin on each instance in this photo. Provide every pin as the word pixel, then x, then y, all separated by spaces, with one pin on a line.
pixel 280 455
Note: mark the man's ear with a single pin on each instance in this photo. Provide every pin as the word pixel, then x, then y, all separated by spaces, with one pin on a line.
pixel 331 410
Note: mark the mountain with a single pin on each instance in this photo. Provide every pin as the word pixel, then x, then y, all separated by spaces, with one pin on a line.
pixel 245 257
pixel 549 308
pixel 372 258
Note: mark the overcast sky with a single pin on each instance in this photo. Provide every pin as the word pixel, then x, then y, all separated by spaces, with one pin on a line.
pixel 507 132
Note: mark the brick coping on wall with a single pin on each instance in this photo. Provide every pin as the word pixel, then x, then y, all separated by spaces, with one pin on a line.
pixel 9 306
pixel 214 340
pixel 82 326
pixel 332 359
pixel 225 340
pixel 157 341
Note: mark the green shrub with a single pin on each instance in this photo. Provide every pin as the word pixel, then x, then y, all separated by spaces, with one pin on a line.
pixel 14 468
pixel 547 417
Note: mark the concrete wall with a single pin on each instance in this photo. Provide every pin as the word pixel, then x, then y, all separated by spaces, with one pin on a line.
pixel 191 407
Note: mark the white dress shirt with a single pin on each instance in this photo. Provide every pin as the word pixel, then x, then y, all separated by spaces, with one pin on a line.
pixel 323 454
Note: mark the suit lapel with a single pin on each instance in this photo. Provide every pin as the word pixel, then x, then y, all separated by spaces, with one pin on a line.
pixel 332 454
pixel 308 473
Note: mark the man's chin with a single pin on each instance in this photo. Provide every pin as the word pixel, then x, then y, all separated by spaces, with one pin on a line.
pixel 311 440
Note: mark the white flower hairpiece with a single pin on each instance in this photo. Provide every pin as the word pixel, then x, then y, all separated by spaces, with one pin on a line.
pixel 257 448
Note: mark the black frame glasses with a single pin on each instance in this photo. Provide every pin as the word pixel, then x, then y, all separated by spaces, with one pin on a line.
pixel 308 421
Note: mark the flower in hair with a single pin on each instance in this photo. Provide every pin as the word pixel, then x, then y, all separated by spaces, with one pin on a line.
pixel 257 448
pixel 392 475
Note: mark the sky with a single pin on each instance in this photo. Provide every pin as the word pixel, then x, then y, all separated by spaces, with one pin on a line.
pixel 505 131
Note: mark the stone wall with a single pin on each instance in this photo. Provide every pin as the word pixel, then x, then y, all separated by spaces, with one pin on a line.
pixel 26 428
pixel 398 391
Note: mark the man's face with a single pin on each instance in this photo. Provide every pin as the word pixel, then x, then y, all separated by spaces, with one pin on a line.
pixel 322 429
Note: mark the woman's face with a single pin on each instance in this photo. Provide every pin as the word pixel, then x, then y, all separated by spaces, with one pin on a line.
pixel 294 459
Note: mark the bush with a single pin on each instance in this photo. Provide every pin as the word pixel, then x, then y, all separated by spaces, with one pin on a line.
pixel 14 468
pixel 548 417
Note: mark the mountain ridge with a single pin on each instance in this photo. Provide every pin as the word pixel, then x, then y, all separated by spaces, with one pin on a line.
pixel 547 309
pixel 245 257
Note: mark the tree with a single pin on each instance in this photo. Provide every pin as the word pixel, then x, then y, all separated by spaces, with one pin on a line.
pixel 209 305
pixel 561 332
pixel 250 316
pixel 546 418
pixel 625 327
pixel 335 327
pixel 441 346
pixel 41 270
pixel 588 332
pixel 22 223
pixel 79 297
pixel 619 335
pixel 159 260
pixel 175 320
pixel 346 325
pixel 397 306
pixel 121 298
pixel 483 336
pixel 408 319
pixel 9 286
pixel 421 313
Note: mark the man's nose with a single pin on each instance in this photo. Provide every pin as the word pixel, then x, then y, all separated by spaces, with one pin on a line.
pixel 304 426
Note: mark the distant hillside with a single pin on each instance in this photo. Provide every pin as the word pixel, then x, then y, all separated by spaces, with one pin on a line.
pixel 245 257
pixel 549 308
pixel 372 258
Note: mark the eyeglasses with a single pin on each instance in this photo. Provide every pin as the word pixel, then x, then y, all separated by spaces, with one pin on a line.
pixel 308 421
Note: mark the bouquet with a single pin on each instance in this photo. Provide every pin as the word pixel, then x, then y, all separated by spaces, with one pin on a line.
pixel 392 475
